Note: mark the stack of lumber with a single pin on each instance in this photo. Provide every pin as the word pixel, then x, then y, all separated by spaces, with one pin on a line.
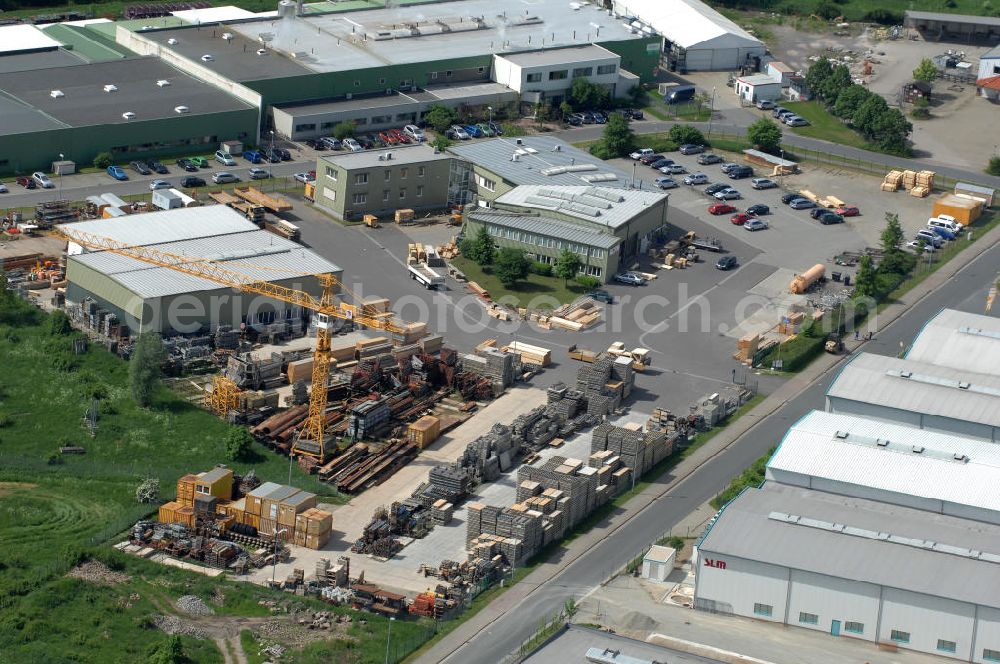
pixel 791 324
pixel 498 312
pixel 893 181
pixel 530 354
pixel 442 511
pixel 580 315
pixel 479 290
pixel 909 179
pixel 746 347
pixel 405 214
pixel 302 370
pixel 374 346
pixel 808 194
pixel 923 184
pixel 413 332
pixel 313 528
pixel 449 250
pixel 373 305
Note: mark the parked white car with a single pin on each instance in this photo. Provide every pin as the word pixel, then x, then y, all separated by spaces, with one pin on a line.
pixel 224 158
pixel 414 132
pixel 42 180
pixel 353 145
pixel 639 154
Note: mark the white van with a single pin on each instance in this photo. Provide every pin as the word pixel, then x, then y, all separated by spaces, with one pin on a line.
pixel 946 222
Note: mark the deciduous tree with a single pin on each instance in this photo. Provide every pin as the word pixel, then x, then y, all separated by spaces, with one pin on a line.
pixel 618 137
pixel 511 266
pixel 864 281
pixel 926 71
pixel 567 265
pixel 765 134
pixel 343 130
pixel 144 367
pixel 440 117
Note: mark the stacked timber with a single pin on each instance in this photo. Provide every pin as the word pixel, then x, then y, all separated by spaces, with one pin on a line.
pixel 529 354
pixel 580 315
pixel 746 347
pixel 893 181
pixel 442 512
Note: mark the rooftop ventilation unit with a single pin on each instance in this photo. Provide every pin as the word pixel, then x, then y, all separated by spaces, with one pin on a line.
pixel 56 94
pixel 181 109
pixel 110 88
pixel 841 434
pixel 881 442
pixel 918 449
pixel 163 83
pixel 128 115
pixel 962 385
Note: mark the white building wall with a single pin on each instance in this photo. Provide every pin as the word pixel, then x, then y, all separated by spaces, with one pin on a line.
pixel 987 634
pixel 862 409
pixel 927 619
pixel 700 59
pixel 742 584
pixel 507 73
pixel 518 76
pixel 832 599
pixel 989 67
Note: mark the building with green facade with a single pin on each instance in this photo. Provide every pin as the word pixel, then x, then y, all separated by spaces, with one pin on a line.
pixel 379 182
pixel 385 66
pixel 146 297
pixel 542 195
pixel 54 105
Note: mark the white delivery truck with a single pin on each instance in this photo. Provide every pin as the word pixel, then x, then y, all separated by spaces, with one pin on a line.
pixel 422 273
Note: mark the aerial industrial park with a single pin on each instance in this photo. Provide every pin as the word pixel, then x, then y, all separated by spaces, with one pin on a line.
pixel 439 331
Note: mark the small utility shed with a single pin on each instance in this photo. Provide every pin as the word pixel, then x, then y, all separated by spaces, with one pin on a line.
pixel 758 87
pixel 658 562
pixel 985 194
pixel 918 394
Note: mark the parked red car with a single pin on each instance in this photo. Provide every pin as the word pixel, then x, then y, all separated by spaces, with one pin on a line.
pixel 848 211
pixel 388 138
pixel 25 182
pixel 399 136
pixel 740 218
pixel 720 208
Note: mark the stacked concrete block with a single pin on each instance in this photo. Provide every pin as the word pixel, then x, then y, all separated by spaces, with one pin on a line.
pixel 493 364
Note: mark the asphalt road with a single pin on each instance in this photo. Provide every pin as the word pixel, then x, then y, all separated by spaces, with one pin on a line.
pixel 965 291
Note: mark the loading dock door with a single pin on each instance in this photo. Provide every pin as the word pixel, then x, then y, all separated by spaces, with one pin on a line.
pixel 835 628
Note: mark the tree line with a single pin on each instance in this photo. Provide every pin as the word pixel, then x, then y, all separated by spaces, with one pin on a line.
pixel 864 111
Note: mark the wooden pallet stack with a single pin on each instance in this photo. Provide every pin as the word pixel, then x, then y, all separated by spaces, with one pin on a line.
pixel 923 184
pixel 893 181
pixel 442 512
pixel 577 316
pixel 450 249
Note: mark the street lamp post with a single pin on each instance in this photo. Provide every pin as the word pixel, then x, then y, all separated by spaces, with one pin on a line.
pixel 61 158
pixel 272 145
pixel 388 639
pixel 490 109
pixel 711 111
pixel 274 553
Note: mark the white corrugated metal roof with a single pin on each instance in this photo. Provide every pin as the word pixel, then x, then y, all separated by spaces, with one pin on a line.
pixel 959 340
pixel 687 23
pixel 877 455
pixel 213 14
pixel 932 554
pixel 256 255
pixel 602 206
pixel 24 37
pixel 554 228
pixel 167 225
pixel 930 389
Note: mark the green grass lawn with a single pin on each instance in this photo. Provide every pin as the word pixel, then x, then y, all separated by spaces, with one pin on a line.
pixel 692 111
pixel 824 126
pixel 52 516
pixel 535 292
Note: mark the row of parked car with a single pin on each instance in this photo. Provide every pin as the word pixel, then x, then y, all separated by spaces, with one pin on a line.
pixel 788 117
pixel 939 229
pixel 601 117
pixel 479 130
pixel 383 139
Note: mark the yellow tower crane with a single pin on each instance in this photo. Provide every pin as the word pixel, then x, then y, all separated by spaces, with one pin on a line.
pixel 311 440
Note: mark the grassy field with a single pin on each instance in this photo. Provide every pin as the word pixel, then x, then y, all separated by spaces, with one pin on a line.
pixel 57 511
pixel 825 126
pixel 537 291
pixel 692 111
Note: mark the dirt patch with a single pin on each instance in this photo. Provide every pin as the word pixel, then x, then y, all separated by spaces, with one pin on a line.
pixel 7 488
pixel 636 622
pixel 97 572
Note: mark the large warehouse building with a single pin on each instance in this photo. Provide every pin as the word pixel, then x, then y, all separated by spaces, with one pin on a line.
pixel 876 525
pixel 694 36
pixel 928 396
pixel 866 530
pixel 148 297
pixel 955 339
pixel 385 66
pixel 53 103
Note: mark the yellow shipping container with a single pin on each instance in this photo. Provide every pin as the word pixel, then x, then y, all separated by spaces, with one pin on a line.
pixel 964 210
pixel 424 431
